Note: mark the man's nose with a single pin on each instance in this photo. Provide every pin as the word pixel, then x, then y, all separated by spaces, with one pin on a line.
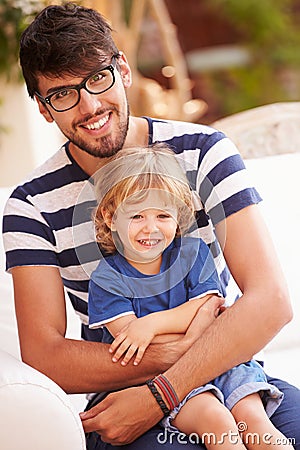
pixel 89 103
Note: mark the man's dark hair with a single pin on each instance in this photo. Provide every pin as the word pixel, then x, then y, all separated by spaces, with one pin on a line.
pixel 64 39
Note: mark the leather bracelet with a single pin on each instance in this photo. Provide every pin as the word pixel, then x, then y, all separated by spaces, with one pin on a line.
pixel 158 397
pixel 167 389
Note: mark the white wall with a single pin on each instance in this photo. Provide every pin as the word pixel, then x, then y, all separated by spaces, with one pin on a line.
pixel 29 139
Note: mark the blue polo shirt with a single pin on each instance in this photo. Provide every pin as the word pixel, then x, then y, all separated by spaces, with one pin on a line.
pixel 118 289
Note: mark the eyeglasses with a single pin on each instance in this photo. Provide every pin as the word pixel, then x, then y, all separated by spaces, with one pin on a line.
pixel 96 83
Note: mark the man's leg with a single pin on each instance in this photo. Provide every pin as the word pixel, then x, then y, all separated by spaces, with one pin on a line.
pixel 287 417
pixel 155 439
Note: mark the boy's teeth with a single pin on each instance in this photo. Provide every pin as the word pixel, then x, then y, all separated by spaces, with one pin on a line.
pixel 97 125
pixel 153 242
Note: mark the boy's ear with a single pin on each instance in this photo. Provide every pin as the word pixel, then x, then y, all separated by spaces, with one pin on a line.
pixel 108 219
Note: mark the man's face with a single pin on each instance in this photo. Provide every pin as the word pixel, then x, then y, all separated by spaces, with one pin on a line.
pixel 98 124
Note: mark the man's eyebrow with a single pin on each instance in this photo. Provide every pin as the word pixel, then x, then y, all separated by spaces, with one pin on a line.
pixel 70 86
pixel 60 88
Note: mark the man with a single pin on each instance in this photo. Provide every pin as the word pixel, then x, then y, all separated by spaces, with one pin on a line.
pixel 79 79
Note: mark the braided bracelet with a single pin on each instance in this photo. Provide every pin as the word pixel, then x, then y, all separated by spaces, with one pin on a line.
pixel 158 397
pixel 167 389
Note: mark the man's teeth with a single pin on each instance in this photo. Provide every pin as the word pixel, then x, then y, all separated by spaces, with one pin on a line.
pixel 97 125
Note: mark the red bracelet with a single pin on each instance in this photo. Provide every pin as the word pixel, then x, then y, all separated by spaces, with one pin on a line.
pixel 167 390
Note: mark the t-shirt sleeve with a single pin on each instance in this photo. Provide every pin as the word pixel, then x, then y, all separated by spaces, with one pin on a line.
pixel 107 299
pixel 27 238
pixel 223 183
pixel 203 278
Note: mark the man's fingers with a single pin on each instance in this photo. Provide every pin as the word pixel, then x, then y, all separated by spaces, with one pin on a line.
pixel 93 412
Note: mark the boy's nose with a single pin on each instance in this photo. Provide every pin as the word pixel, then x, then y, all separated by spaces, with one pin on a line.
pixel 150 226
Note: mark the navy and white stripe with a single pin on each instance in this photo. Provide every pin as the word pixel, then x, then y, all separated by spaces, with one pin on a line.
pixel 47 218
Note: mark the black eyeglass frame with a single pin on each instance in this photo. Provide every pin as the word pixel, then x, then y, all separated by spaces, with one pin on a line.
pixel 111 67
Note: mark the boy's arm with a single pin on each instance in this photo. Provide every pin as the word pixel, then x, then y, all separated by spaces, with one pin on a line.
pixel 115 326
pixel 137 334
pixel 178 319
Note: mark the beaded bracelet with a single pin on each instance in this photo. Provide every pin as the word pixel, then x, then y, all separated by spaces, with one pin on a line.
pixel 158 397
pixel 167 389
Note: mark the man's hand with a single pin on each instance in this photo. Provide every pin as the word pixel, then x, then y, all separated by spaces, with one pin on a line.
pixel 119 424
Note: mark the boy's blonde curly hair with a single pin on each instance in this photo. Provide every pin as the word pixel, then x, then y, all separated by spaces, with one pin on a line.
pixel 128 176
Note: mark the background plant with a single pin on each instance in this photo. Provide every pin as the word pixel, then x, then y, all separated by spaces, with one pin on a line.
pixel 269 29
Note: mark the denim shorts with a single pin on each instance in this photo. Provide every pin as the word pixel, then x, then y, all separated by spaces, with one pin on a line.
pixel 233 385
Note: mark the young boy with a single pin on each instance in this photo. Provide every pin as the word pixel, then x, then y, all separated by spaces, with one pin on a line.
pixel 155 281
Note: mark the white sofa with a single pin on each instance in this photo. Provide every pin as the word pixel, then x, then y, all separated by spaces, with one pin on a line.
pixel 277 179
pixel 35 413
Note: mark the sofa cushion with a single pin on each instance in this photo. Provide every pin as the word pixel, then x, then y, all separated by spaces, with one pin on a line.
pixel 35 413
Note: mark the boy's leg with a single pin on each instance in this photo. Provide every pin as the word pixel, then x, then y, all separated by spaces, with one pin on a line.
pixel 286 418
pixel 205 416
pixel 258 430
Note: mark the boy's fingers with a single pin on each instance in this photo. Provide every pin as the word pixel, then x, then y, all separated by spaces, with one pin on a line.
pixel 115 344
pixel 121 350
pixel 129 354
pixel 139 356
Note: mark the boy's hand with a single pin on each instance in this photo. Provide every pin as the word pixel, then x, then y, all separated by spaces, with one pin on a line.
pixel 206 314
pixel 133 339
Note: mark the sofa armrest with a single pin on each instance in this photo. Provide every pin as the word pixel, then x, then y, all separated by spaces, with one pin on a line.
pixel 35 412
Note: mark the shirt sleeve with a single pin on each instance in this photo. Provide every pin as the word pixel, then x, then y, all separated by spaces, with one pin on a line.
pixel 223 182
pixel 27 238
pixel 203 278
pixel 107 296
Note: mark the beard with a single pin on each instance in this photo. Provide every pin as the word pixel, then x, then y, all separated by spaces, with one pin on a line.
pixel 105 146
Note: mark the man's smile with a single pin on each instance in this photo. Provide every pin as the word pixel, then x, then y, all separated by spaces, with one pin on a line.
pixel 97 125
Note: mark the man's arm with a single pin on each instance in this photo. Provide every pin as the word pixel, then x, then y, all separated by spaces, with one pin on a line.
pixel 77 366
pixel 254 319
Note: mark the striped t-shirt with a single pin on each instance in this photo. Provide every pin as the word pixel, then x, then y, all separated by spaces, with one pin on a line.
pixel 47 219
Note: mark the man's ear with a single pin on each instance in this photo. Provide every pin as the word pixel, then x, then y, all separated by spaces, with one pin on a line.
pixel 108 219
pixel 44 110
pixel 124 69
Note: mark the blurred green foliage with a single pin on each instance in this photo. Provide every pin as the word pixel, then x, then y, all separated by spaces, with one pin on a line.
pixel 15 15
pixel 269 29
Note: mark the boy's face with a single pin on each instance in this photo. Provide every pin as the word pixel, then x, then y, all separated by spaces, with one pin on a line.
pixel 146 228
